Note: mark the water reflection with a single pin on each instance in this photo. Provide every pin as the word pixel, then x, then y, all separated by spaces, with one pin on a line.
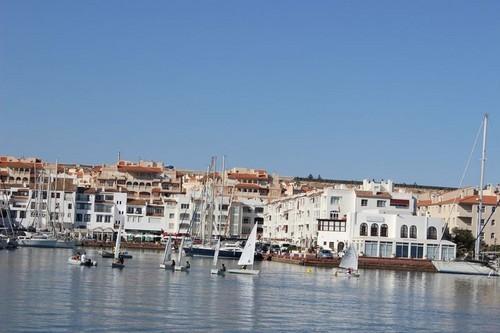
pixel 40 285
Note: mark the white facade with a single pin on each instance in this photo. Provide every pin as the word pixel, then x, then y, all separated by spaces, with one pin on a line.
pixel 333 218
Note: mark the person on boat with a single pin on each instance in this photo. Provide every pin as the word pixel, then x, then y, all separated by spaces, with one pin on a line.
pixel 188 265
pixel 244 267
pixel 120 259
pixel 173 263
pixel 83 258
pixel 223 268
pixel 349 271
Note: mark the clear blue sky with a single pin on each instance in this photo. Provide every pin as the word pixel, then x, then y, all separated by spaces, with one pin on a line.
pixel 345 89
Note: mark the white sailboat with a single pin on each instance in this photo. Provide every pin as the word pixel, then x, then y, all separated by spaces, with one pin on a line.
pixel 179 266
pixel 215 270
pixel 349 263
pixel 118 259
pixel 167 255
pixel 247 257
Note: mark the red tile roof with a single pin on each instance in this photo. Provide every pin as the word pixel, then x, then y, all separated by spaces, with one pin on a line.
pixel 139 168
pixel 237 175
pixel 370 194
pixel 488 200
pixel 249 185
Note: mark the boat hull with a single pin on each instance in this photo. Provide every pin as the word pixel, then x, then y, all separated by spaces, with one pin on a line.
pixel 165 266
pixel 464 267
pixel 77 262
pixel 244 271
pixel 209 252
pixel 108 254
pixel 46 243
pixel 181 269
pixel 117 265
pixel 215 271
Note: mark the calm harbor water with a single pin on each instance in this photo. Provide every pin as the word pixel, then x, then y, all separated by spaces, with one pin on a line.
pixel 41 292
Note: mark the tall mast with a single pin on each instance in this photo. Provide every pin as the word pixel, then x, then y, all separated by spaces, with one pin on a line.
pixel 481 184
pixel 221 197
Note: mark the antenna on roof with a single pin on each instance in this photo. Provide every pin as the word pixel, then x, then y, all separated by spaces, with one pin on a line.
pixel 119 156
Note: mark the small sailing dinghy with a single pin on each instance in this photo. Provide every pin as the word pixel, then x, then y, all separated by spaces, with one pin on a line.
pixel 167 255
pixel 81 261
pixel 179 266
pixel 118 261
pixel 215 270
pixel 349 263
pixel 247 256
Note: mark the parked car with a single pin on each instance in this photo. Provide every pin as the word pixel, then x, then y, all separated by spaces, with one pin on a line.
pixel 325 253
pixel 275 248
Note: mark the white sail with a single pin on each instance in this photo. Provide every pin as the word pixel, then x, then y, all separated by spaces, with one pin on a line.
pixel 216 253
pixel 118 241
pixel 179 256
pixel 249 251
pixel 350 259
pixel 167 256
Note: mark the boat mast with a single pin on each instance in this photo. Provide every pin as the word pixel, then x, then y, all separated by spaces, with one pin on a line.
pixel 477 247
pixel 221 197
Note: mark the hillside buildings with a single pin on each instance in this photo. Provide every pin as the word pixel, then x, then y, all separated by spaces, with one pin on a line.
pixel 460 208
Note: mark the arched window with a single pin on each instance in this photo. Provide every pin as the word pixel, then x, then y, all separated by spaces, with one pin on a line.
pixel 404 231
pixel 413 231
pixel 363 229
pixel 383 230
pixel 374 229
pixel 432 233
pixel 340 246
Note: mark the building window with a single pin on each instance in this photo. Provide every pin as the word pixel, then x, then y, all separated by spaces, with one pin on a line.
pixel 432 251
pixel 380 203
pixel 402 250
pixel 417 251
pixel 364 202
pixel 374 230
pixel 171 215
pixel 99 218
pixel 431 233
pixel 383 230
pixel 22 214
pixel 492 235
pixel 386 249
pixel 86 218
pixel 493 221
pixel 107 218
pixel 363 229
pixel 404 231
pixel 184 206
pixel 78 217
pixel 413 231
pixel 371 248
pixel 334 215
pixel 184 216
pixel 334 200
pixel 447 252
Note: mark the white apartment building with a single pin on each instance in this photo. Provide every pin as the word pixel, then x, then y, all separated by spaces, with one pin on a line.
pixel 100 212
pixel 54 209
pixel 379 221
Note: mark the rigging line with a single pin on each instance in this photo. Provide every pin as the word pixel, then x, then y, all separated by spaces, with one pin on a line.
pixel 447 220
